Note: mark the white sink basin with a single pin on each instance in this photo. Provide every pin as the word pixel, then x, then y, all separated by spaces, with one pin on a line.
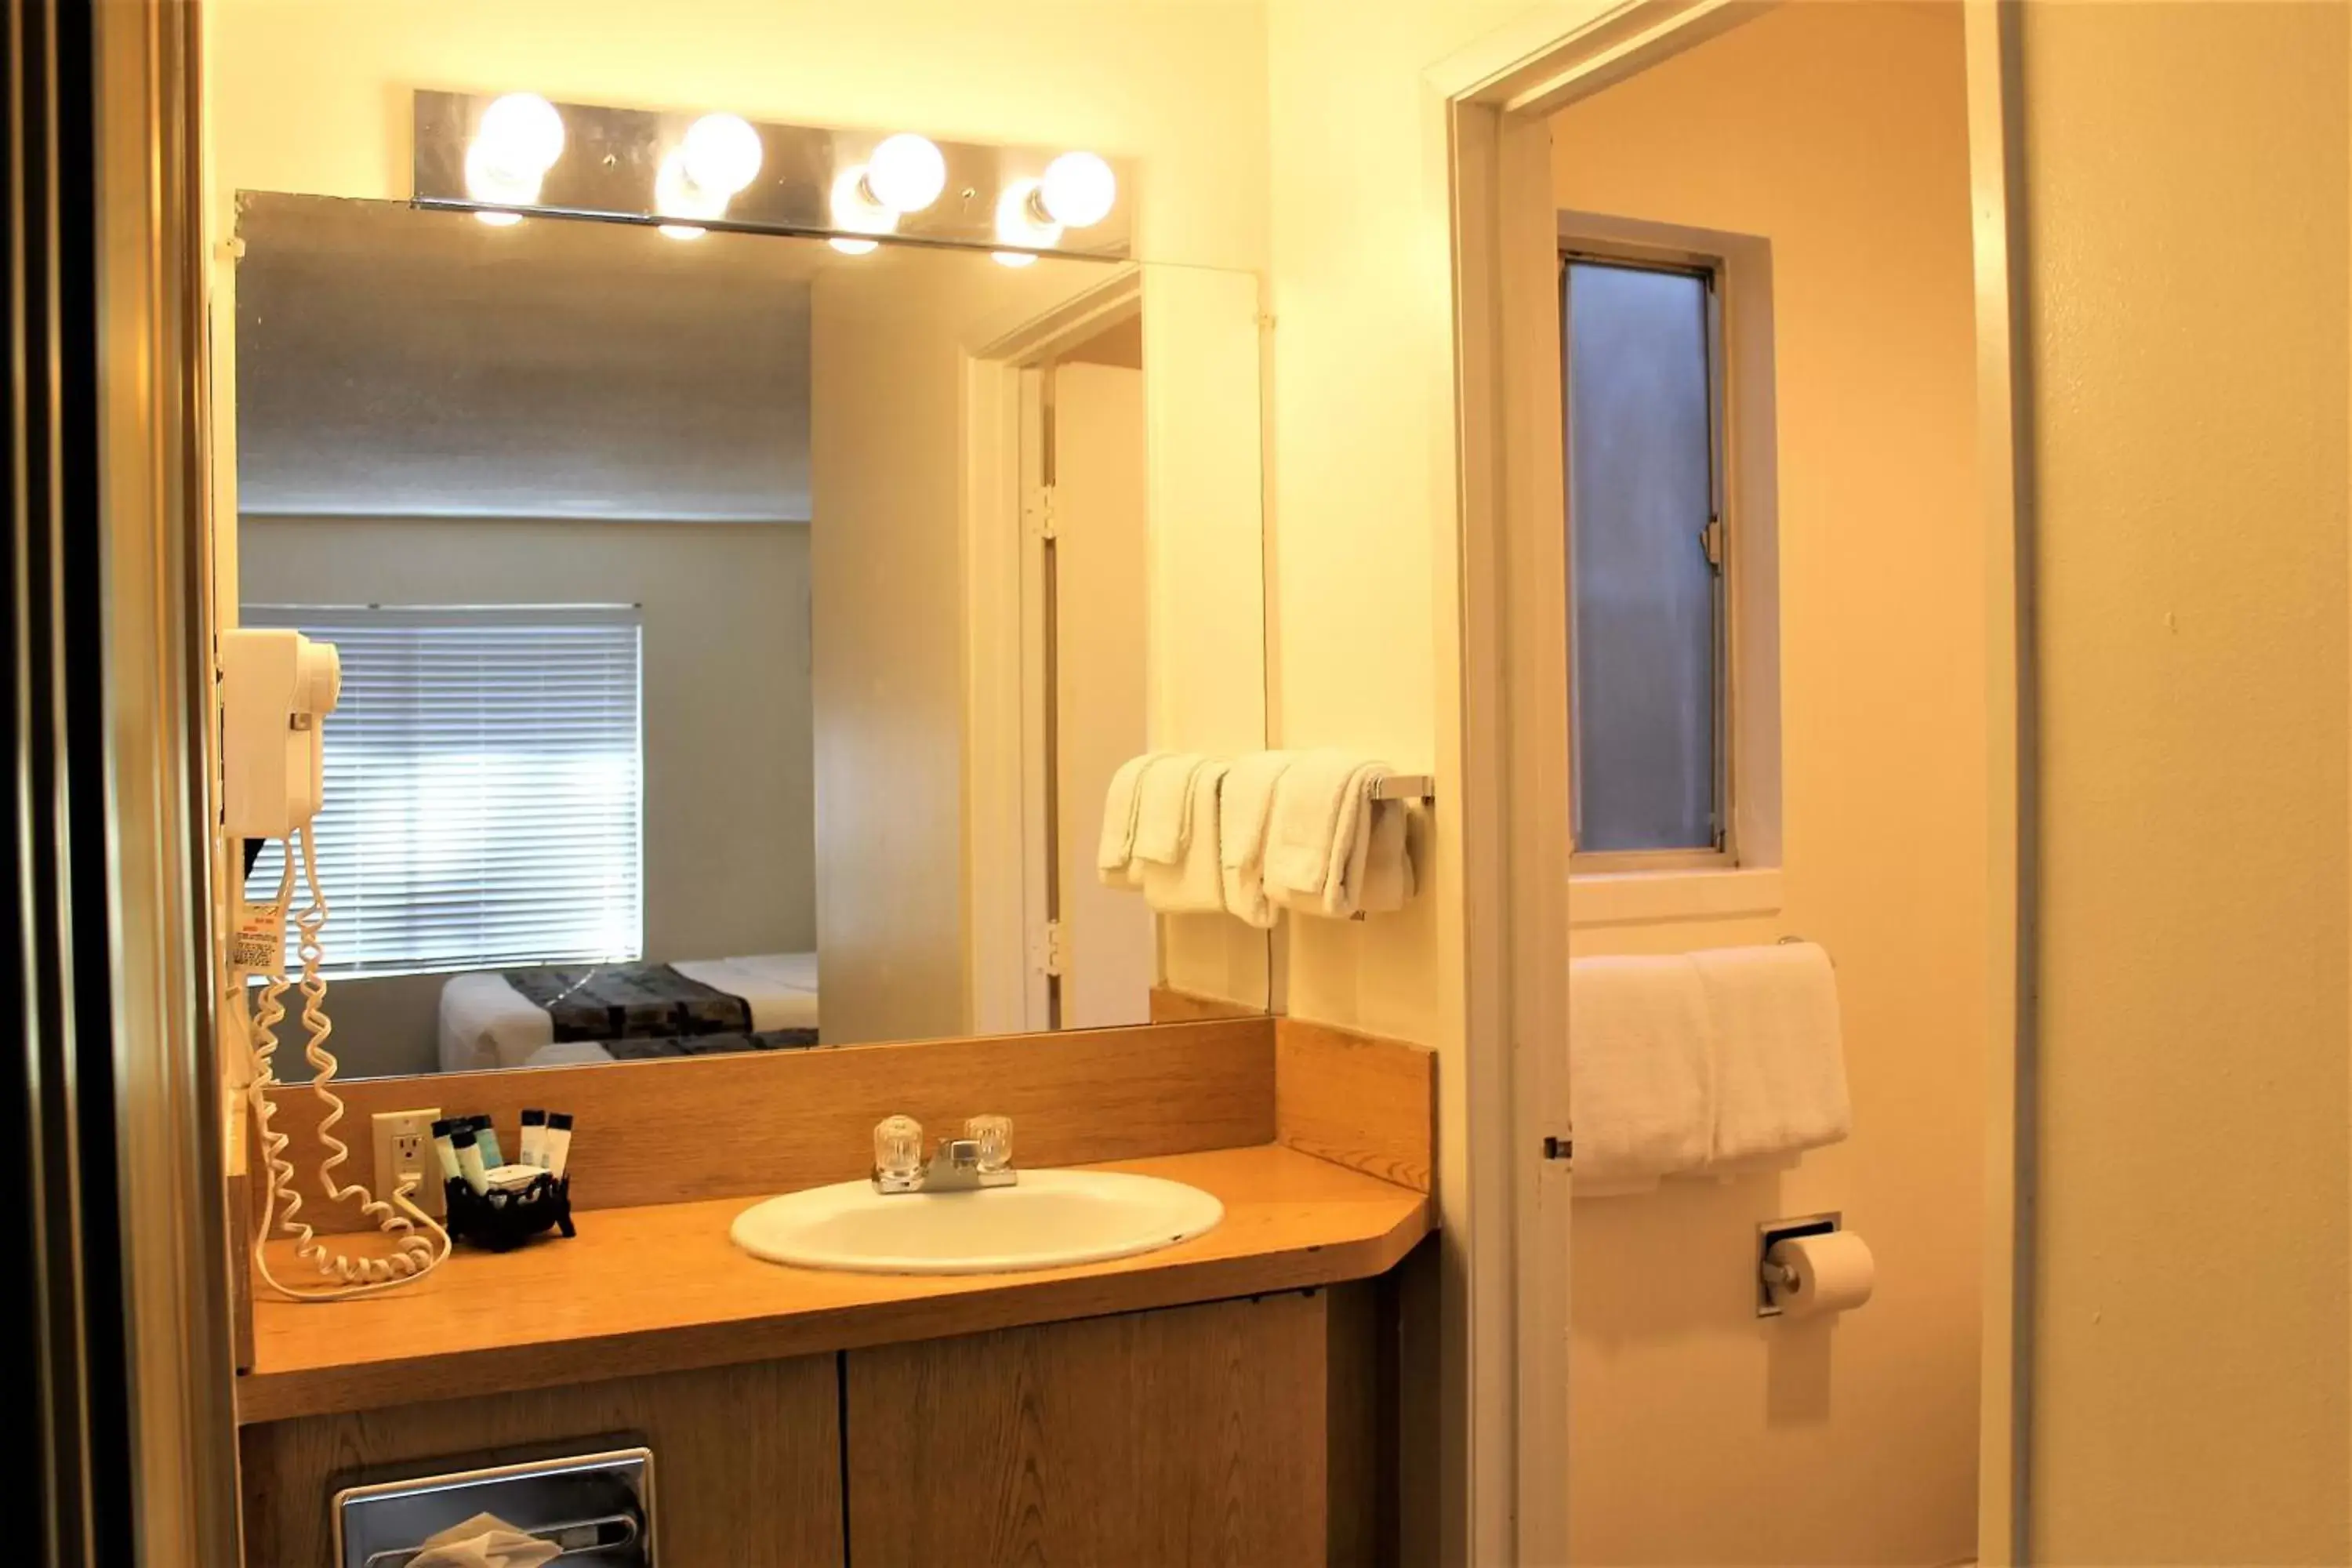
pixel 1049 1219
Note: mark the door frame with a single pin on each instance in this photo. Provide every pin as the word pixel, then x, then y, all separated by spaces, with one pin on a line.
pixel 1491 102
pixel 1007 759
pixel 128 1372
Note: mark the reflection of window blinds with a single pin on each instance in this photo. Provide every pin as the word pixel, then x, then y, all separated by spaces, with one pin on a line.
pixel 482 791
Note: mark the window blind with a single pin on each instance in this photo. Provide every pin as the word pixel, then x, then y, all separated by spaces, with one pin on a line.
pixel 484 788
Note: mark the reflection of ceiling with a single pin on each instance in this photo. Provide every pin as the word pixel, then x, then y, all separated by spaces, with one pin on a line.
pixel 393 361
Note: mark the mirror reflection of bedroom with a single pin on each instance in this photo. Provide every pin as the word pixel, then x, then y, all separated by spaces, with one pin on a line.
pixel 680 670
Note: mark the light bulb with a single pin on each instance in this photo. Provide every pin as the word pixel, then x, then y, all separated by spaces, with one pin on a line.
pixel 1017 223
pixel 676 196
pixel 521 133
pixel 1077 190
pixel 487 182
pixel 907 173
pixel 682 231
pixel 855 247
pixel 1012 258
pixel 722 154
pixel 499 220
pixel 853 206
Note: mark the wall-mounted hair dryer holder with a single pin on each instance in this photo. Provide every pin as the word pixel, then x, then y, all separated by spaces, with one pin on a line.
pixel 474 1218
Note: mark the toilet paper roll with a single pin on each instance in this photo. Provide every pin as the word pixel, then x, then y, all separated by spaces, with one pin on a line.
pixel 1832 1273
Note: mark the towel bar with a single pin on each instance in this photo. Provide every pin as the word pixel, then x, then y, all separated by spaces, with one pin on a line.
pixel 1793 940
pixel 1401 786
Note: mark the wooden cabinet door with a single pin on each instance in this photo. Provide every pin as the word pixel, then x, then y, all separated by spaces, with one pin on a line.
pixel 747 1459
pixel 1199 1435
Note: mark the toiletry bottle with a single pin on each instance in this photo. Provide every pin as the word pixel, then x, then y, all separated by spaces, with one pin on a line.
pixel 487 1136
pixel 444 1150
pixel 559 1142
pixel 469 1161
pixel 534 1138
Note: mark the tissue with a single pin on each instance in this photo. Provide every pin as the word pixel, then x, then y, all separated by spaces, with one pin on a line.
pixel 484 1541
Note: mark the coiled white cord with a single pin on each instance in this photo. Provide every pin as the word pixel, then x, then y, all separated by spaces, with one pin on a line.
pixel 417 1255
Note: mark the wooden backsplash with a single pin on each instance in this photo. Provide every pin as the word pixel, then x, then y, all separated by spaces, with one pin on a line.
pixel 771 1122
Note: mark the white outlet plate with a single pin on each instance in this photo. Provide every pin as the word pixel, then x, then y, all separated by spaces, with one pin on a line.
pixel 403 1144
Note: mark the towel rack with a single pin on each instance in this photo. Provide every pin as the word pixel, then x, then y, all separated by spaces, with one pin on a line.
pixel 1401 786
pixel 1796 941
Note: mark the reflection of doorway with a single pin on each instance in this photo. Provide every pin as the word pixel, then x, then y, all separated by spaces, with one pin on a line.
pixel 1095 577
pixel 1057 590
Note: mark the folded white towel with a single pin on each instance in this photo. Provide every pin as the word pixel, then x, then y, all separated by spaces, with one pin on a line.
pixel 1244 809
pixel 1780 1061
pixel 1195 884
pixel 1308 801
pixel 1116 847
pixel 1638 1071
pixel 1389 878
pixel 1331 848
pixel 1373 872
pixel 1163 808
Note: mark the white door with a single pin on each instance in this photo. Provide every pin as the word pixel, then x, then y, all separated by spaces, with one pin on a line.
pixel 1100 640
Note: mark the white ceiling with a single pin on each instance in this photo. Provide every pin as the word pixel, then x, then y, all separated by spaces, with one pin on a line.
pixel 394 362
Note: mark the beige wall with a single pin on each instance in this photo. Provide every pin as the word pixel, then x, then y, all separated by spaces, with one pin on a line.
pixel 1203 368
pixel 1700 1434
pixel 728 813
pixel 889 338
pixel 1363 593
pixel 2186 209
pixel 886 436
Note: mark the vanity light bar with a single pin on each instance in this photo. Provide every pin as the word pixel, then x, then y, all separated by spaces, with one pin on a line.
pixel 609 164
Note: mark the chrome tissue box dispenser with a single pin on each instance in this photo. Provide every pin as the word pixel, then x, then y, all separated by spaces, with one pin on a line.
pixel 596 1508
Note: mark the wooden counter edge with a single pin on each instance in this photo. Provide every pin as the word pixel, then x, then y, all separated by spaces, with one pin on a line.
pixel 1023 1299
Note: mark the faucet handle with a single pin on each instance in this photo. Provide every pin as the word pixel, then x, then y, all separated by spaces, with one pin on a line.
pixel 994 1136
pixel 898 1148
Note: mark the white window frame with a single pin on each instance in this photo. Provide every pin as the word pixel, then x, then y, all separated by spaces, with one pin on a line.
pixel 1740 875
pixel 321 620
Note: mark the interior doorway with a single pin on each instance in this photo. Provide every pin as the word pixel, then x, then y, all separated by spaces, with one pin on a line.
pixel 1057 532
pixel 1534 1364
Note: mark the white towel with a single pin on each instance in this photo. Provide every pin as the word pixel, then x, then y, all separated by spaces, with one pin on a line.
pixel 1388 880
pixel 1638 1071
pixel 1244 809
pixel 1780 1062
pixel 1195 884
pixel 1163 808
pixel 1378 865
pixel 1364 862
pixel 1319 836
pixel 1307 801
pixel 1116 847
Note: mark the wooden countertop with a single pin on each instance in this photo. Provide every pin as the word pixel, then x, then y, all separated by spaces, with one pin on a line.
pixel 662 1289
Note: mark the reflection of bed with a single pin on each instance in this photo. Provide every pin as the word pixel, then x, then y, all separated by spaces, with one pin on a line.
pixel 489 1018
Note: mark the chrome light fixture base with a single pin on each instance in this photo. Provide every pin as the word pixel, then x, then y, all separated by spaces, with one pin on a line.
pixel 611 165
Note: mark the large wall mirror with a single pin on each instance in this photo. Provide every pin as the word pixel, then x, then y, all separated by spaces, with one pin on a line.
pixel 739 631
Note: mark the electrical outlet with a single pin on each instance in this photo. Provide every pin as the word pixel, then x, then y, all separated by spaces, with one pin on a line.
pixel 403 1149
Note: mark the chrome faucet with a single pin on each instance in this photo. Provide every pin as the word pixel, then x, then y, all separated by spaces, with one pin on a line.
pixel 981 1158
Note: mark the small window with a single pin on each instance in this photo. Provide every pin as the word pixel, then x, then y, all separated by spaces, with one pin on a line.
pixel 483 782
pixel 1648 683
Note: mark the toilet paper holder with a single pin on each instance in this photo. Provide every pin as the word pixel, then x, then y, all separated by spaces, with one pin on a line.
pixel 1772 1231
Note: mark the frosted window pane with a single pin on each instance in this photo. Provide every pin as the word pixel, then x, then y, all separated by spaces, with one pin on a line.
pixel 1640 495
